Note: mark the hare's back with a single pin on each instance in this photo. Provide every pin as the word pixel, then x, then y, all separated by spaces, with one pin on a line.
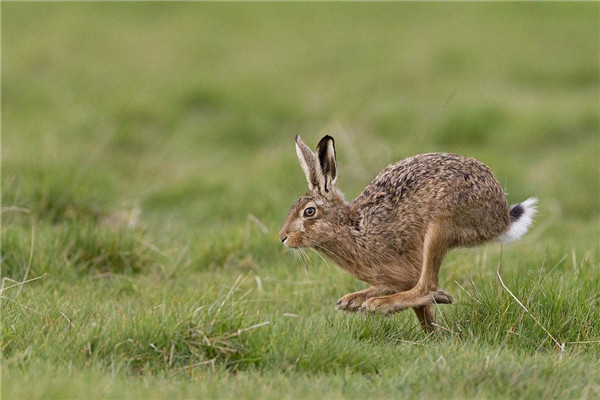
pixel 436 181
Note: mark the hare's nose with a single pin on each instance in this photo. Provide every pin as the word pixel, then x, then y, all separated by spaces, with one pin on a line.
pixel 283 235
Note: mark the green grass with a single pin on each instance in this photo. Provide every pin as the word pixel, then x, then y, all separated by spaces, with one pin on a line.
pixel 148 151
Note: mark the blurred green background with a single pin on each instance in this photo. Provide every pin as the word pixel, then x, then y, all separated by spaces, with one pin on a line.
pixel 150 145
pixel 184 106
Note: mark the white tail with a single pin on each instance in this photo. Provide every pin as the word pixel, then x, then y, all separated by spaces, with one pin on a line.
pixel 522 216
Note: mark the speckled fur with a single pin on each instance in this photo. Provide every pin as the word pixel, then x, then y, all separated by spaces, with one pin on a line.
pixel 395 234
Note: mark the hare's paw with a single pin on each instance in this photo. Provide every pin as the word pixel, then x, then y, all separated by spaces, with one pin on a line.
pixel 351 301
pixel 442 297
pixel 384 304
pixel 409 299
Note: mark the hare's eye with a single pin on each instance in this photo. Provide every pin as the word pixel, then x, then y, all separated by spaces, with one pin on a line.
pixel 309 211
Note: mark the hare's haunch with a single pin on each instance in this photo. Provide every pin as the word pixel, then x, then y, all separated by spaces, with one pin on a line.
pixel 395 234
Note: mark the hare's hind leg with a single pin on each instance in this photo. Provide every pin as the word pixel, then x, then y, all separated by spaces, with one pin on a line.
pixel 352 301
pixel 403 300
pixel 426 291
pixel 426 316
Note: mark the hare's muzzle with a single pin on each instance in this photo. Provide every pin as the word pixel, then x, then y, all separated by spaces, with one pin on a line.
pixel 283 235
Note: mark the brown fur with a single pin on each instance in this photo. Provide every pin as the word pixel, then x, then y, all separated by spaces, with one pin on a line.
pixel 395 234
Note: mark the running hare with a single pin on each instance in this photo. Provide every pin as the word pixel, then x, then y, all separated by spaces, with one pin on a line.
pixel 396 233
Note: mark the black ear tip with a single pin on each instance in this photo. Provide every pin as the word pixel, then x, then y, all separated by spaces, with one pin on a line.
pixel 324 140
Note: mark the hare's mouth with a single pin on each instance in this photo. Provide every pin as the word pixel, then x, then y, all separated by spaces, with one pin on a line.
pixel 291 242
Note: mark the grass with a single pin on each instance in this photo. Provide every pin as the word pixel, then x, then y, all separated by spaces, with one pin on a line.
pixel 148 163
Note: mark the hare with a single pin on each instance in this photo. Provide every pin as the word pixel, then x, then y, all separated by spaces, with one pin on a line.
pixel 395 234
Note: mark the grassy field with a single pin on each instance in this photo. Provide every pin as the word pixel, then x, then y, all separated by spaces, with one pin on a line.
pixel 148 164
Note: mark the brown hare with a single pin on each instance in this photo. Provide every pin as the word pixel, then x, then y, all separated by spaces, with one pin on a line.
pixel 395 234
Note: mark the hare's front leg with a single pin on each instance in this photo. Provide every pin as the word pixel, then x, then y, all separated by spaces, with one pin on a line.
pixel 352 301
pixel 426 291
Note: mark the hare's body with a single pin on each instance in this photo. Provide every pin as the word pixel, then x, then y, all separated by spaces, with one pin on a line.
pixel 396 233
pixel 390 218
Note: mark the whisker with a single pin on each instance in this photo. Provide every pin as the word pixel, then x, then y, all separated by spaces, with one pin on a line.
pixel 306 265
pixel 323 249
pixel 305 260
pixel 324 260
pixel 300 257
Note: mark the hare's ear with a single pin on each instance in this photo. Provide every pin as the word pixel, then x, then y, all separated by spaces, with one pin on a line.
pixel 326 154
pixel 309 165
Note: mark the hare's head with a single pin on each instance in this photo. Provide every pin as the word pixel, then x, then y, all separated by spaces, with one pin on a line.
pixel 313 218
